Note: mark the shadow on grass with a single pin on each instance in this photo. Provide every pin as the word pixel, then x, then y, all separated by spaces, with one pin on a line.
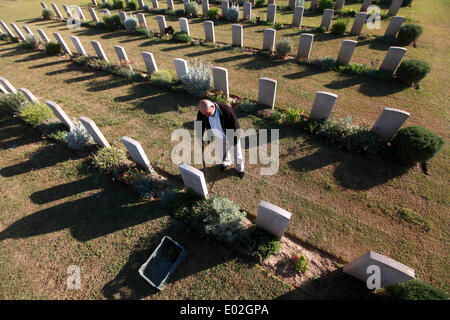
pixel 47 64
pixel 91 76
pixel 9 128
pixel 177 47
pixel 376 44
pixel 233 58
pixel 34 56
pixel 259 63
pixel 334 285
pixel 307 72
pixel 72 67
pixel 367 86
pixel 89 32
pixel 204 52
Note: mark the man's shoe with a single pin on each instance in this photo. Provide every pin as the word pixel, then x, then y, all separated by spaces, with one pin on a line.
pixel 241 174
pixel 222 167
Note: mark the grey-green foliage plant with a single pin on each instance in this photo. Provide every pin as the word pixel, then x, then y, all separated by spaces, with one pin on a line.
pixel 223 218
pixel 34 42
pixel 109 160
pixel 12 103
pixel 192 9
pixel 131 24
pixel 284 46
pixel 233 13
pixel 78 137
pixel 47 13
pixel 197 80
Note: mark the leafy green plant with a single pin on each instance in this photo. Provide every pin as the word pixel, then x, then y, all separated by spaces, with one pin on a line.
pixel 132 5
pixel 339 27
pixel 233 13
pixel 325 4
pixel 108 160
pixel 181 205
pixel 260 244
pixel 284 47
pixel 259 3
pixel 52 48
pixel 213 13
pixel 35 113
pixel 320 29
pixel 191 9
pixel 146 8
pixel 300 263
pixel 33 41
pixel 48 14
pixel 411 72
pixel 217 96
pixel 118 4
pixel 291 115
pixel 409 33
pixel 197 80
pixel 161 78
pixel 12 103
pixel 143 32
pixel 78 137
pixel 181 37
pixel 113 22
pixel 363 141
pixel 53 129
pixel 416 144
pixel 349 12
pixel 414 290
pixel 223 218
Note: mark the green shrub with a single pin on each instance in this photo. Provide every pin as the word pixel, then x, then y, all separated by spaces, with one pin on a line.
pixel 411 72
pixel 132 5
pixel 130 24
pixel 284 47
pixel 53 129
pixel 52 48
pixel 320 29
pixel 259 3
pixel 48 14
pixel 339 27
pixel 223 218
pixel 300 263
pixel 233 14
pixel 325 64
pixel 414 290
pixel 109 160
pixel 182 37
pixel 12 103
pixel 78 137
pixel 349 12
pixel 416 144
pixel 146 8
pixel 92 63
pixel 35 113
pixel 197 80
pixel 113 22
pixel 143 32
pixel 291 115
pixel 260 244
pixel 34 42
pixel 179 12
pixel 363 141
pixel 191 9
pixel 325 4
pixel 161 78
pixel 118 4
pixel 409 33
pixel 213 13
pixel 181 206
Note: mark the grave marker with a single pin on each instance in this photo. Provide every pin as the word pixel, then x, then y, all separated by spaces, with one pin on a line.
pixel 80 13
pixel 392 59
pixel 62 43
pixel 237 31
pixel 121 54
pixel 99 50
pixel 3 89
pixel 106 12
pixel 155 4
pixel 17 30
pixel 141 20
pixel 271 13
pixel 43 35
pixel 58 13
pixel 123 16
pixel 359 22
pixel 346 51
pixel 7 85
pixel 389 122
pixel 67 11
pixel 323 105
pixel 326 18
pixel 304 45
pixel 193 179
pixel 267 91
pixel 137 153
pixel 95 132
pixel 339 4
pixel 224 5
pixel 28 30
pixel 60 114
pixel 365 5
pixel 247 11
pixel 77 43
pixel 272 218
pixel 205 8
pixel 93 15
pixel 220 76
pixel 180 67
pixel 150 62
pixel 29 95
pixel 43 5
pixel 209 31
pixel 395 6
pixel 394 26
pixel 3 24
pixel 170 4
pixel 141 4
pixel 298 17
pixel 161 24
pixel 184 25
pixel 269 39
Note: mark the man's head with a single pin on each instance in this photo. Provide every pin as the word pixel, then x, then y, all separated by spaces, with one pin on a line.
pixel 207 107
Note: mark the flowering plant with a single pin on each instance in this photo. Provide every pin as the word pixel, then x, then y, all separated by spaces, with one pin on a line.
pixel 300 263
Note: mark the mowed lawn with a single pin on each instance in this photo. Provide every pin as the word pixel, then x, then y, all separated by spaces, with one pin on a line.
pixel 342 203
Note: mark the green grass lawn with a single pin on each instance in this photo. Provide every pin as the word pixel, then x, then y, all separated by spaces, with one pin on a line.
pixel 342 203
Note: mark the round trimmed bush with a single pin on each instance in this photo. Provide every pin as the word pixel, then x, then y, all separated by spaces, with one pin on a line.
pixel 284 46
pixel 112 22
pixel 132 5
pixel 412 71
pixel 339 27
pixel 118 4
pixel 182 37
pixel 233 14
pixel 161 78
pixel 213 13
pixel 325 4
pixel 415 290
pixel 192 9
pixel 48 14
pixel 416 144
pixel 52 48
pixel 409 33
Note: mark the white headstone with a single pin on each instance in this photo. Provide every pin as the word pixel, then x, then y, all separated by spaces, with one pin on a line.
pixel 272 218
pixel 346 51
pixel 267 91
pixel 304 45
pixel 58 13
pixel 95 132
pixel 94 2
pixel 220 76
pixel 80 13
pixel 99 50
pixel 180 67
pixel 106 12
pixel 339 4
pixel 93 15
pixel 395 6
pixel 121 54
pixel 60 114
pixel 3 24
pixel 209 31
pixel 323 105
pixel 193 179
pixel 184 25
pixel 389 122
pixel 224 5
pixel 237 32
pixel 155 4
pixel 394 26
pixel 141 4
pixel 28 30
pixel 269 39
pixel 298 17
pixel 137 153
pixel 43 5
pixel 170 4
pixel 247 10
pixel 43 35
pixel 3 89
pixel 17 30
pixel 8 86
pixel 29 95
pixel 77 43
pixel 271 12
pixel 62 43
pixel 161 24
pixel 150 62
pixel 359 22
pixel 392 59
pixel 67 11
pixel 391 271
pixel 141 20
pixel 205 8
pixel 123 15
pixel 326 18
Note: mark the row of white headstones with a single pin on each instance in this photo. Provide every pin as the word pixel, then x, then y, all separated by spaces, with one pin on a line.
pixel 386 126
pixel 269 216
